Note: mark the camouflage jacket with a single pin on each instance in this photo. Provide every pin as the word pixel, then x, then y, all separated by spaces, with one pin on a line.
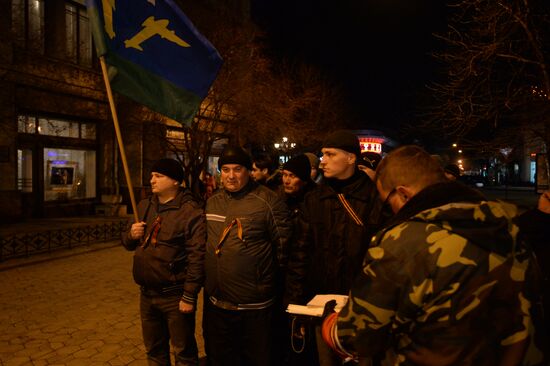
pixel 445 284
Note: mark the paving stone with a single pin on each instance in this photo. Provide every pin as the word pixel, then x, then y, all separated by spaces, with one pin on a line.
pixel 121 360
pixel 12 348
pixel 67 350
pixel 16 361
pixel 80 362
pixel 123 325
pixel 34 352
pixel 59 338
pixel 59 358
pixel 85 353
pixel 138 363
pixel 56 345
pixel 103 356
pixel 97 344
pixel 39 363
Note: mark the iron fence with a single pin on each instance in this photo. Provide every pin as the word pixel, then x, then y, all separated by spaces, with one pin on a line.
pixel 29 243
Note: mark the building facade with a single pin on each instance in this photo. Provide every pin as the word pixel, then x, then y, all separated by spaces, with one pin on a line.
pixel 58 153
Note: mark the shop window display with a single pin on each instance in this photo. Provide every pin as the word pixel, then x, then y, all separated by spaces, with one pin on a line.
pixel 69 174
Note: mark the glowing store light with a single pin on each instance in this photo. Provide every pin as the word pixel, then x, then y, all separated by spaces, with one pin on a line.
pixel 371 145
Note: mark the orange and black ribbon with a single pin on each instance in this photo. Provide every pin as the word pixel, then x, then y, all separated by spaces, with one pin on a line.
pixel 226 232
pixel 350 210
pixel 153 233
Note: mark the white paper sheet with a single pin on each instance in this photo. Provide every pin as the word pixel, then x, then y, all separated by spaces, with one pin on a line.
pixel 316 305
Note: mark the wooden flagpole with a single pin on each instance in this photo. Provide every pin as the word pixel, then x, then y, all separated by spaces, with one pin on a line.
pixel 119 137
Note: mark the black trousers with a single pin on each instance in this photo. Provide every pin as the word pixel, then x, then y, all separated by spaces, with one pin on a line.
pixel 237 337
pixel 162 323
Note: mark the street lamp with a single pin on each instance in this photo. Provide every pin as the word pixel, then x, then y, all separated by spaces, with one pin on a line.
pixel 284 148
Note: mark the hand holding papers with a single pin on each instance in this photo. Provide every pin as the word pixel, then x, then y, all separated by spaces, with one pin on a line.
pixel 316 306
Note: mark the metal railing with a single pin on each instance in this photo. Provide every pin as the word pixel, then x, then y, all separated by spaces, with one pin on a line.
pixel 28 243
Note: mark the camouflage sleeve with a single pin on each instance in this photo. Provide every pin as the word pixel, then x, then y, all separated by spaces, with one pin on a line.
pixel 364 323
pixel 388 292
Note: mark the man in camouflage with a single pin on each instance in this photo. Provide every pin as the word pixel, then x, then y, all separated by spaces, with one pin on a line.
pixel 446 282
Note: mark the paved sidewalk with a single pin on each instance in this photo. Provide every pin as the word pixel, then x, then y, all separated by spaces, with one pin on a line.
pixel 73 310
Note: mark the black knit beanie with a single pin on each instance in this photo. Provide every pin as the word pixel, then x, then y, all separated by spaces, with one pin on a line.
pixel 235 155
pixel 343 140
pixel 169 167
pixel 300 166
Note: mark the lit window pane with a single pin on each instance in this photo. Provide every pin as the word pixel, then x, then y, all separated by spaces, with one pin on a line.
pixel 58 128
pixel 18 20
pixel 36 25
pixel 71 31
pixel 88 131
pixel 24 170
pixel 85 41
pixel 26 124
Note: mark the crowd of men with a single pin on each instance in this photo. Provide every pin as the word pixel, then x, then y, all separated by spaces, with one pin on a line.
pixel 435 273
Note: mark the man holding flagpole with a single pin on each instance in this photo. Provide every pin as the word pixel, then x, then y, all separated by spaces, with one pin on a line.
pixel 150 52
pixel 168 265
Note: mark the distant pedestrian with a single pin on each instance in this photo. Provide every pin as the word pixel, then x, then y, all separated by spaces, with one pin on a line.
pixel 446 282
pixel 248 230
pixel 169 246
pixel 297 181
pixel 265 171
pixel 314 161
pixel 208 183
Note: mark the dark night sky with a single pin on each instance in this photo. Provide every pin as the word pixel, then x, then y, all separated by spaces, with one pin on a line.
pixel 378 49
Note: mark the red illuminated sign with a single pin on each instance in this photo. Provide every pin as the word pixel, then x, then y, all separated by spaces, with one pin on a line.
pixel 371 144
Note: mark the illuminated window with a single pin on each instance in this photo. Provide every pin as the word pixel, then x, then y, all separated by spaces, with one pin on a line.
pixel 26 124
pixel 78 34
pixel 24 170
pixel 88 131
pixel 28 24
pixel 56 127
pixel 69 174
